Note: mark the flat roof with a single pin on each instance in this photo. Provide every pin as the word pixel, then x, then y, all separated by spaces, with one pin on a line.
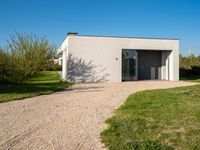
pixel 127 37
pixel 76 34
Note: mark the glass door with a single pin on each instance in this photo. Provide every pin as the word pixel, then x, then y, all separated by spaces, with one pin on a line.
pixel 129 65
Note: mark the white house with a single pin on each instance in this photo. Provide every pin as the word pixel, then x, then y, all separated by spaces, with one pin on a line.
pixel 116 59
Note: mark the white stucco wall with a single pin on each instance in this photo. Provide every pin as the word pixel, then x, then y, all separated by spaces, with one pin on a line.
pixel 64 50
pixel 104 53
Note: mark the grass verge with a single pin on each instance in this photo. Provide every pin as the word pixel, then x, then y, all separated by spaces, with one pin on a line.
pixel 44 83
pixel 156 120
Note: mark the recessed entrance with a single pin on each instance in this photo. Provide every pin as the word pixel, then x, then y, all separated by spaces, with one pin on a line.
pixel 141 65
pixel 149 65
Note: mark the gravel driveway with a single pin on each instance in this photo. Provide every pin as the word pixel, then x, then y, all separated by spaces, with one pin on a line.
pixel 71 119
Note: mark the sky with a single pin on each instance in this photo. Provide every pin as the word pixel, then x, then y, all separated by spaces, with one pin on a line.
pixel 135 18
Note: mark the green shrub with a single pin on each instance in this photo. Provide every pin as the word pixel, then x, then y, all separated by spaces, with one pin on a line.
pixel 3 62
pixel 27 55
pixel 185 72
pixel 52 67
pixel 190 65
pixel 196 70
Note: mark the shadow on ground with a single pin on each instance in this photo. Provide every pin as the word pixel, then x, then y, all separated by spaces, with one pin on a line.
pixel 30 87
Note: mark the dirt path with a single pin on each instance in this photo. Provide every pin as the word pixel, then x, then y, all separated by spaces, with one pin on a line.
pixel 69 120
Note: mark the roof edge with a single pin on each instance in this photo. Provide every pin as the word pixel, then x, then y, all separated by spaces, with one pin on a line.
pixel 129 37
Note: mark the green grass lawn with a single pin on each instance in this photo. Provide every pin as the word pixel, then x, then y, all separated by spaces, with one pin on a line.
pixel 191 78
pixel 44 83
pixel 155 120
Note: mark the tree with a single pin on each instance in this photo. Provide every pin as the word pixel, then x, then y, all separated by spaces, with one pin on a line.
pixel 27 55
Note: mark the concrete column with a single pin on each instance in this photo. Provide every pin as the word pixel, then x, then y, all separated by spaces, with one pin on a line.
pixel 171 66
pixel 176 65
pixel 64 65
pixel 167 67
pixel 163 67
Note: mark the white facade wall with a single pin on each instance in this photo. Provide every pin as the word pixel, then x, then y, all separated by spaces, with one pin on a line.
pixel 104 56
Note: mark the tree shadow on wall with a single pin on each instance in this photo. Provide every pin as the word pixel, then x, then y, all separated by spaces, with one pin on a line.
pixel 78 70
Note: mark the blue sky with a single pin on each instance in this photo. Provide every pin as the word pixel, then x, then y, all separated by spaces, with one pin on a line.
pixel 140 18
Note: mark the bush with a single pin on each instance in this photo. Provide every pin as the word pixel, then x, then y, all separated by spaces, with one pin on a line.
pixel 3 62
pixel 27 55
pixel 52 67
pixel 185 72
pixel 189 66
pixel 195 70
